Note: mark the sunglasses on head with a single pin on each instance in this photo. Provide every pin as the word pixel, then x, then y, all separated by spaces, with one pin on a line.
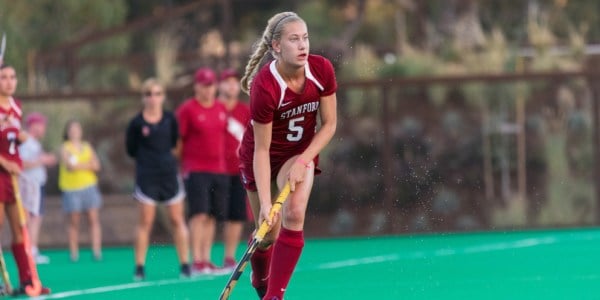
pixel 150 94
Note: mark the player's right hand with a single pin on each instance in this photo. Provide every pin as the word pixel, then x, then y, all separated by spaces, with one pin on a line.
pixel 264 215
pixel 11 167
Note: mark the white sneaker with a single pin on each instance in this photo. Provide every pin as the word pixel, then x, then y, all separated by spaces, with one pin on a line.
pixel 41 259
pixel 207 268
pixel 229 265
pixel 200 268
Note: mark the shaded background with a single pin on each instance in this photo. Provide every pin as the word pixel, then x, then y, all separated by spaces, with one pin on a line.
pixel 453 115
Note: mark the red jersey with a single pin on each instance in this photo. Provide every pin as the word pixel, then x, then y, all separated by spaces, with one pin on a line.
pixel 237 120
pixel 10 125
pixel 294 116
pixel 202 130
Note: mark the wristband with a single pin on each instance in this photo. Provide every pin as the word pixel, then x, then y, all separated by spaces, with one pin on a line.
pixel 303 162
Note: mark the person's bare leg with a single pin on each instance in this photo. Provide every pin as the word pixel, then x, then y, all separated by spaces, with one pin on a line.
pixel 180 231
pixel 147 213
pixel 33 225
pixel 12 213
pixel 208 238
pixel 95 233
pixel 197 231
pixel 73 232
pixel 261 259
pixel 255 207
pixel 288 248
pixel 232 233
pixel 294 210
pixel 20 253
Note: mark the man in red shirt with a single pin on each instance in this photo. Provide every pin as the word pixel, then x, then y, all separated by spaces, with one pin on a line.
pixel 202 126
pixel 238 116
pixel 10 164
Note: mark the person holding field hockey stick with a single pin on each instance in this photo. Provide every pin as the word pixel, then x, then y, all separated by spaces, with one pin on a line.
pixel 282 142
pixel 11 136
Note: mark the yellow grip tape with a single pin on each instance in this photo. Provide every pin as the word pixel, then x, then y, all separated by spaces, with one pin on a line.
pixel 264 227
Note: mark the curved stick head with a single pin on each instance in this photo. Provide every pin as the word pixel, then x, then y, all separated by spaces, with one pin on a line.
pixel 35 289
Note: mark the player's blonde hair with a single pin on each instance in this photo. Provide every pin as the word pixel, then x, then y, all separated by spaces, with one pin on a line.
pixel 151 82
pixel 264 44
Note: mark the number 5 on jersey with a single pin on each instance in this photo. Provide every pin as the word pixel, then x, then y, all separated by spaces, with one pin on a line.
pixel 296 130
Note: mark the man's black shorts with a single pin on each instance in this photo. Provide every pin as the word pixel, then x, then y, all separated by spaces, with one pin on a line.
pixel 207 193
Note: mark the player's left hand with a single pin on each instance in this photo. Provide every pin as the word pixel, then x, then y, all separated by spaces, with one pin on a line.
pixel 297 174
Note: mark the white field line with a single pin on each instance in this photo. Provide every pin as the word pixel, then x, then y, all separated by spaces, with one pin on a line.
pixel 491 247
pixel 126 286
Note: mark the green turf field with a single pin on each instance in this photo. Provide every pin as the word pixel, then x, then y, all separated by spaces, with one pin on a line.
pixel 559 264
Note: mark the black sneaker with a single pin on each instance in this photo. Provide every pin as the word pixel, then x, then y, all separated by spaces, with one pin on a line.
pixel 185 272
pixel 139 273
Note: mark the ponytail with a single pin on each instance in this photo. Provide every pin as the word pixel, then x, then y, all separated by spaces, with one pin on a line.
pixel 252 66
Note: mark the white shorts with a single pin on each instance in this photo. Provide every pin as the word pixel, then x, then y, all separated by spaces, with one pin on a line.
pixel 31 195
pixel 157 194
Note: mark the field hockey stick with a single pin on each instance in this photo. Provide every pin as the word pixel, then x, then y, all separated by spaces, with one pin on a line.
pixel 258 237
pixel 5 277
pixel 35 288
pixel 2 47
pixel 3 268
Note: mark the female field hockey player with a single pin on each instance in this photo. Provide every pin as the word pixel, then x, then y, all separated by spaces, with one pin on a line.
pixel 151 139
pixel 10 165
pixel 79 185
pixel 238 116
pixel 202 124
pixel 282 142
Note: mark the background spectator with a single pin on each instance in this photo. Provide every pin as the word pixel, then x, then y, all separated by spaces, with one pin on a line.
pixel 202 124
pixel 79 184
pixel 238 116
pixel 150 139
pixel 35 160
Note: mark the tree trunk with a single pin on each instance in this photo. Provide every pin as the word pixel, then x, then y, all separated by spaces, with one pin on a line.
pixel 338 48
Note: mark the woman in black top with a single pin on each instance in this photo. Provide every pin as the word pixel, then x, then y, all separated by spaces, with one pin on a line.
pixel 151 139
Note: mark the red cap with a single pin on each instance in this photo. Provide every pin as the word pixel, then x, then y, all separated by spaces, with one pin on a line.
pixel 35 117
pixel 229 73
pixel 205 76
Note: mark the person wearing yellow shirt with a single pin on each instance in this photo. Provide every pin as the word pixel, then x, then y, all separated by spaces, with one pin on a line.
pixel 79 184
